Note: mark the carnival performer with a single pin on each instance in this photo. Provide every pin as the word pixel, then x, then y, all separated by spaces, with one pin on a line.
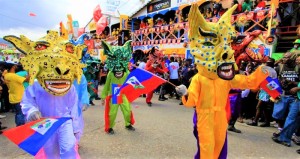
pixel 117 63
pixel 83 103
pixel 90 75
pixel 209 88
pixel 154 66
pixel 54 62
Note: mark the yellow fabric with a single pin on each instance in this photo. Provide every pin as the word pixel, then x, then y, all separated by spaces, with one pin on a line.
pixel 15 86
pixel 210 98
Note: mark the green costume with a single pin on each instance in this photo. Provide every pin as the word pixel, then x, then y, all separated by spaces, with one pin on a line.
pixel 117 63
pixel 90 77
pixel 246 6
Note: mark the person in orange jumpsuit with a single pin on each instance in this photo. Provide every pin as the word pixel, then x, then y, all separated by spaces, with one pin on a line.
pixel 209 88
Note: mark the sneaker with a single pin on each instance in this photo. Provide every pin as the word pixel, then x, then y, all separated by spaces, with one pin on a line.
pixel 252 123
pixel 3 127
pixel 97 98
pixel 277 133
pixel 275 139
pixel 296 139
pixel 262 120
pixel 2 116
pixel 91 103
pixel 110 131
pixel 1 132
pixel 265 124
pixel 298 151
pixel 240 120
pixel 233 129
pixel 180 103
pixel 161 99
pixel 130 127
pixel 149 104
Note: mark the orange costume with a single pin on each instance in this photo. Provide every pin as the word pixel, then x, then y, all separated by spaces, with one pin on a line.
pixel 209 88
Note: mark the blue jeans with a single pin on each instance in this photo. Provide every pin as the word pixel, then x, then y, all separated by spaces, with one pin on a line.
pixel 19 118
pixel 281 107
pixel 291 123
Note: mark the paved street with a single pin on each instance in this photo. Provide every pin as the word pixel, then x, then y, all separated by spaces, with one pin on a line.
pixel 162 131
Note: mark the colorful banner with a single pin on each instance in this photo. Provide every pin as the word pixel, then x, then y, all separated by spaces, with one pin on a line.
pixel 112 6
pixel 92 26
pixel 70 23
pixel 75 25
pixel 63 31
pixel 160 5
pixel 124 22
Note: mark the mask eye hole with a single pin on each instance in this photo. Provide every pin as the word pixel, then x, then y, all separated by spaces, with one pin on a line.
pixel 40 47
pixel 208 44
pixel 70 48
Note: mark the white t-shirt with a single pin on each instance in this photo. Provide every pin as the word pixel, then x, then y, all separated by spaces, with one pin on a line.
pixel 142 65
pixel 173 67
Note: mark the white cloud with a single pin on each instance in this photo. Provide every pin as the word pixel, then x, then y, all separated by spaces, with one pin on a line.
pixel 50 14
pixel 32 34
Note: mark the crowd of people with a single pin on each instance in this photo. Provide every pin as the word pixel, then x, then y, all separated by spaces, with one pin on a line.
pixel 250 104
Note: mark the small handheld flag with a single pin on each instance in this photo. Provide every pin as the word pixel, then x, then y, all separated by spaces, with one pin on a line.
pixel 32 136
pixel 272 87
pixel 139 82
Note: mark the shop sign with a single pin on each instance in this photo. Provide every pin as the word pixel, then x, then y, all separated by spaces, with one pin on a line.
pixel 160 5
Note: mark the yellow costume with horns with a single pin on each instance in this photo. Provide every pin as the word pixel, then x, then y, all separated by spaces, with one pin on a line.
pixel 209 88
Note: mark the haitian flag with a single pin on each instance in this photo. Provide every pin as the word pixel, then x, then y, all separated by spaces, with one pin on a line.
pixel 116 95
pixel 272 87
pixel 32 136
pixel 139 82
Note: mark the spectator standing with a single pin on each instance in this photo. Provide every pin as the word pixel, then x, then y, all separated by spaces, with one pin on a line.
pixel 264 105
pixel 21 72
pixel 187 73
pixel 174 77
pixel 292 122
pixel 288 75
pixel 235 106
pixel 16 90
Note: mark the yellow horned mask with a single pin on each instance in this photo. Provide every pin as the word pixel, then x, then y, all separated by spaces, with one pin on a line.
pixel 210 44
pixel 52 60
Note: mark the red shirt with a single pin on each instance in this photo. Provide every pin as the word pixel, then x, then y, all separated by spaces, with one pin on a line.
pixel 261 4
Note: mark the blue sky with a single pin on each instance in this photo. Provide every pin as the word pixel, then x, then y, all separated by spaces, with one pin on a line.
pixel 15 19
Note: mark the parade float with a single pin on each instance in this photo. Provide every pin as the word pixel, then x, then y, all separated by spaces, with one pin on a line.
pixel 262 32
pixel 9 53
pixel 255 40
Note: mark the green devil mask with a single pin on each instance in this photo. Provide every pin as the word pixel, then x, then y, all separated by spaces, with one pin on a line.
pixel 52 60
pixel 117 57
